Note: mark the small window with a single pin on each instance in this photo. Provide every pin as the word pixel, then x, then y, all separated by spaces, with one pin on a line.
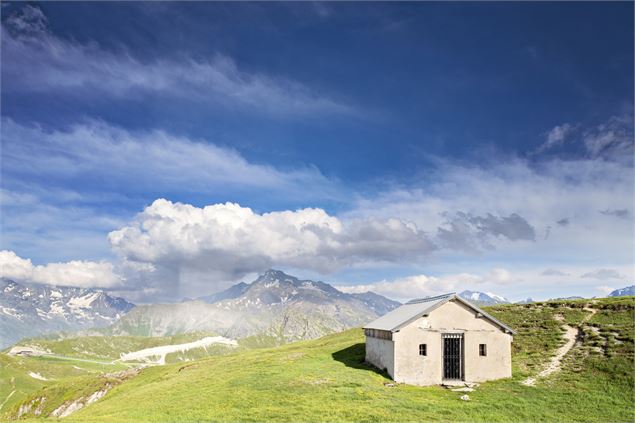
pixel 423 349
pixel 482 350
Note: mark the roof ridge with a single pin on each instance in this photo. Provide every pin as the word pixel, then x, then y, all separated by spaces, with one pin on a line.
pixel 426 299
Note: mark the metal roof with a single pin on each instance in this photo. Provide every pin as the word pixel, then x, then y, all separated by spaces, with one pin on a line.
pixel 401 316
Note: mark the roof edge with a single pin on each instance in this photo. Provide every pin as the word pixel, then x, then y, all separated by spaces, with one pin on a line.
pixel 449 297
pixel 485 314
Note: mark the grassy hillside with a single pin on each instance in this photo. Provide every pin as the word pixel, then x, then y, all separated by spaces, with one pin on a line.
pixel 111 347
pixel 21 377
pixel 326 379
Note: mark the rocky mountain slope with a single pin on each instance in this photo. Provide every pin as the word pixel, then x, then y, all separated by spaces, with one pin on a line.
pixel 28 310
pixel 276 306
pixel 483 298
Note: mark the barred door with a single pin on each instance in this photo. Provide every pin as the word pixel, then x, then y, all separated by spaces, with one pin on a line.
pixel 452 356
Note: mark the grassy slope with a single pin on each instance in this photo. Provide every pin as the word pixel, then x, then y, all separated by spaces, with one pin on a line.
pixel 326 379
pixel 108 347
pixel 76 370
pixel 14 376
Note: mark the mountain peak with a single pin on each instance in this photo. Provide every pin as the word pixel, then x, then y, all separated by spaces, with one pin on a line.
pixel 275 274
pixel 629 290
pixel 483 298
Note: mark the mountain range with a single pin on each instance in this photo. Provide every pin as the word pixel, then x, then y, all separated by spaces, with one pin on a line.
pixel 276 307
pixel 622 292
pixel 273 309
pixel 28 310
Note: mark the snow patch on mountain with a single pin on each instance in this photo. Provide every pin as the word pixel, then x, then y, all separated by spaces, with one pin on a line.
pixel 28 310
pixel 484 298
pixel 622 292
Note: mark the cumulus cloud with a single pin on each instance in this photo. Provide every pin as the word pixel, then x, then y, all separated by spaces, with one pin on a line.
pixel 603 274
pixel 35 59
pixel 73 273
pixel 231 241
pixel 505 204
pixel 464 231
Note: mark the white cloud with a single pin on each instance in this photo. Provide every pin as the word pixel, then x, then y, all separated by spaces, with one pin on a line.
pixel 554 272
pixel 612 139
pixel 417 286
pixel 35 59
pixel 510 201
pixel 143 160
pixel 603 274
pixel 231 241
pixel 605 290
pixel 499 275
pixel 557 136
pixel 73 273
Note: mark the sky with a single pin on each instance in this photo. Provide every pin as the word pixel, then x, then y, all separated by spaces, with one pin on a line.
pixel 168 150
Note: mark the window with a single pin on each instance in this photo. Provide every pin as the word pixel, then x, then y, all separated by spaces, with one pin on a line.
pixel 482 350
pixel 423 349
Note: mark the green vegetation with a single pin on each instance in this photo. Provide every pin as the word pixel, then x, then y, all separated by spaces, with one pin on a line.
pixel 17 383
pixel 108 347
pixel 326 379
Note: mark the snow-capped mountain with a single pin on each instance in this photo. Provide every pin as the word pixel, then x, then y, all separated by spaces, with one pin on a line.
pixel 276 287
pixel 28 310
pixel 483 298
pixel 275 305
pixel 629 290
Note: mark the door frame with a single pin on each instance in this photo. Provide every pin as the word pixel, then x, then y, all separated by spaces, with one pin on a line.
pixel 461 356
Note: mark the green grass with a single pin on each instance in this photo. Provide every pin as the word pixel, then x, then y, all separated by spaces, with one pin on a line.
pixel 326 380
pixel 108 347
pixel 16 385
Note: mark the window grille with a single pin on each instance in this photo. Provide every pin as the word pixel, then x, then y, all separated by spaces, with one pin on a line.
pixel 423 349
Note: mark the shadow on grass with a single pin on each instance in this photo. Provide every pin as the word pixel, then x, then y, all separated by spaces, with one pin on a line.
pixel 354 356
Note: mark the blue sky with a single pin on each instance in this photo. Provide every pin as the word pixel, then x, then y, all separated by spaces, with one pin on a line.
pixel 408 148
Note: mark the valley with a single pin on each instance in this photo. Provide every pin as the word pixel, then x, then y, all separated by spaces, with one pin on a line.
pixel 293 382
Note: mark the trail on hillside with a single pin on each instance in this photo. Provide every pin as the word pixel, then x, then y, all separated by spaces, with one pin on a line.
pixel 571 335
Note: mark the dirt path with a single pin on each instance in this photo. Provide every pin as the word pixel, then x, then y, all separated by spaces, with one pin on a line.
pixel 571 335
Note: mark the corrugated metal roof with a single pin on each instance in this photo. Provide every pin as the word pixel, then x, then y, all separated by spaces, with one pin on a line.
pixel 414 309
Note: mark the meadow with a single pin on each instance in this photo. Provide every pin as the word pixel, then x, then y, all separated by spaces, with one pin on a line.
pixel 326 379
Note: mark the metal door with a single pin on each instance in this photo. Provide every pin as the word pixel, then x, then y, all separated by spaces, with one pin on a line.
pixel 453 356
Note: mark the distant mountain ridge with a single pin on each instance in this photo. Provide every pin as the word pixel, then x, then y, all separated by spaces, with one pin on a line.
pixel 483 298
pixel 275 305
pixel 28 310
pixel 622 292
